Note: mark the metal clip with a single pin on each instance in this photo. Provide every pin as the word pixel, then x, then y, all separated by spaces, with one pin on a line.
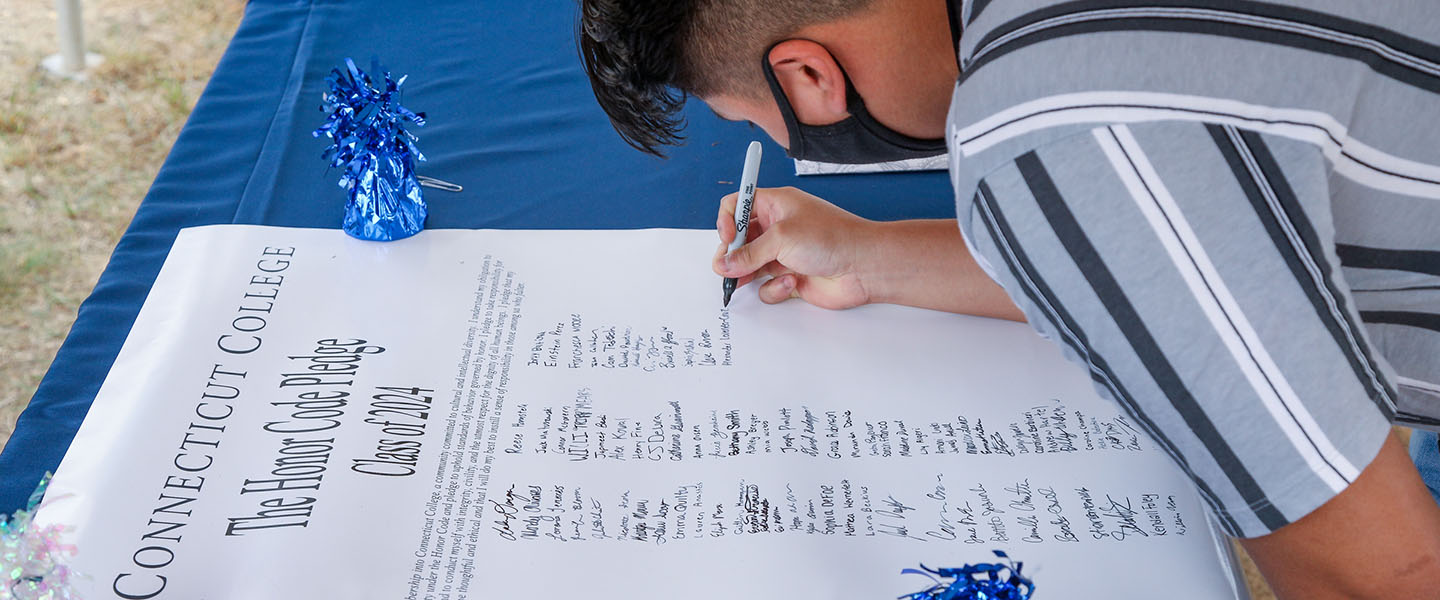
pixel 439 184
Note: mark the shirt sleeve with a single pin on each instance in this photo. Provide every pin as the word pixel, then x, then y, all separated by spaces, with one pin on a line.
pixel 1190 268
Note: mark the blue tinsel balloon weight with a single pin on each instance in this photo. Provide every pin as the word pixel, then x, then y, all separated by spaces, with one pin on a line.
pixel 366 127
pixel 983 581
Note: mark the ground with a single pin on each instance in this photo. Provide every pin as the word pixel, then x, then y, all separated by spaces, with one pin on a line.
pixel 76 158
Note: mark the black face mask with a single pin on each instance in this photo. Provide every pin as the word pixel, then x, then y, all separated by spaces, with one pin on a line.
pixel 858 139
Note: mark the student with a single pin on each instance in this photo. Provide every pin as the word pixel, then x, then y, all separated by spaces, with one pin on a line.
pixel 1168 190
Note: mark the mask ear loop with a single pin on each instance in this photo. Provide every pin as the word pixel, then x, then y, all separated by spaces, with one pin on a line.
pixel 787 112
pixel 854 104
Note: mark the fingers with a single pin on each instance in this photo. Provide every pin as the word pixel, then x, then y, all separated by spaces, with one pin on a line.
pixel 780 289
pixel 771 205
pixel 717 262
pixel 770 269
pixel 725 219
pixel 751 257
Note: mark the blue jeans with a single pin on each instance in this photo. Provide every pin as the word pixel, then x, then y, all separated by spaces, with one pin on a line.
pixel 1425 451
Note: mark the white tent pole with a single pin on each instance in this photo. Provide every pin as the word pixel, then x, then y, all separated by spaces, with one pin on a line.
pixel 72 61
pixel 72 35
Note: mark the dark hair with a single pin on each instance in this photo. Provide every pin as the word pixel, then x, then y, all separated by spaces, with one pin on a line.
pixel 632 57
pixel 644 58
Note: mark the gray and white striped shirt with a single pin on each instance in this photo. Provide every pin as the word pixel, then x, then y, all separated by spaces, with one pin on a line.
pixel 1228 212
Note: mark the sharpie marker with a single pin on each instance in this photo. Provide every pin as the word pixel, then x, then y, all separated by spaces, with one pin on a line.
pixel 743 204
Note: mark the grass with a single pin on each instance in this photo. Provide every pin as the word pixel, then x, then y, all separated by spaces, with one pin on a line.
pixel 76 157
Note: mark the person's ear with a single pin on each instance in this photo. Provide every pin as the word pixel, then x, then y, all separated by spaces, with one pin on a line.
pixel 812 80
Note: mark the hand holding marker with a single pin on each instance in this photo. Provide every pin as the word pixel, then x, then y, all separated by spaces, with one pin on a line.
pixel 743 205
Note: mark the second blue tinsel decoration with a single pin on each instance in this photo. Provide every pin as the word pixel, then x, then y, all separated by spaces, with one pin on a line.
pixel 983 581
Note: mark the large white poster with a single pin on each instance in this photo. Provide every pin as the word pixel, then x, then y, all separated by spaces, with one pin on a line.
pixel 507 414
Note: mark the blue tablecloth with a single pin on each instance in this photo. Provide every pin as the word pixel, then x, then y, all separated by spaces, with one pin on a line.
pixel 511 119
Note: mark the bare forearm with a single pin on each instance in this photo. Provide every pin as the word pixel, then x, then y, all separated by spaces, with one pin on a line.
pixel 1380 538
pixel 925 263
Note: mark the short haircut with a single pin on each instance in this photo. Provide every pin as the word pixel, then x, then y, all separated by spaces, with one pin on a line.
pixel 645 57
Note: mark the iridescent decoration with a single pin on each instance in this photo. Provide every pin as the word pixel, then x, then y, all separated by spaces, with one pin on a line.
pixel 983 581
pixel 32 559
pixel 366 127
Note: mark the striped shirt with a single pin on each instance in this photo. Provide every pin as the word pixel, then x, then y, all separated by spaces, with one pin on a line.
pixel 1227 211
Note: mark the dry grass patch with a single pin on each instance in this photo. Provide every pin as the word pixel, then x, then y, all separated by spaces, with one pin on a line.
pixel 76 157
